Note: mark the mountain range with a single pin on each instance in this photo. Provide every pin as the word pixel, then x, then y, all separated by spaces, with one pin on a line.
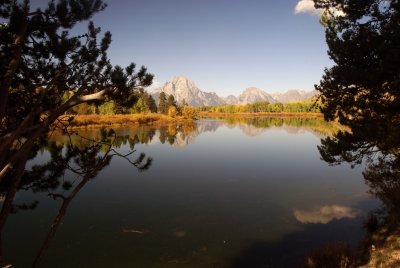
pixel 183 89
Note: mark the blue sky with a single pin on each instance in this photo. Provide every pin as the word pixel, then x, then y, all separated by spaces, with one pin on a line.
pixel 224 46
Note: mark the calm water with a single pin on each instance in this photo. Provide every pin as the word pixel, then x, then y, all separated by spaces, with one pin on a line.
pixel 219 193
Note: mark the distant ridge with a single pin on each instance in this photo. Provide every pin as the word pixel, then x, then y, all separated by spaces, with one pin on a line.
pixel 184 89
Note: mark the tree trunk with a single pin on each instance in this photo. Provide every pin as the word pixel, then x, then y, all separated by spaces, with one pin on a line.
pixel 7 204
pixel 8 164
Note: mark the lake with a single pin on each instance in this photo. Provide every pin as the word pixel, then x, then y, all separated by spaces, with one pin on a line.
pixel 250 192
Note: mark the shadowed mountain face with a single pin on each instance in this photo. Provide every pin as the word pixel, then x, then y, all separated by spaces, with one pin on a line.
pixel 183 89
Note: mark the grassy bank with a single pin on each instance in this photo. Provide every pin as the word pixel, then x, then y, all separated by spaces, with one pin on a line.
pixel 383 248
pixel 95 120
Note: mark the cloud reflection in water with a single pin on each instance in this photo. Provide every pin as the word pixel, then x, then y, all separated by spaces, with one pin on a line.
pixel 325 214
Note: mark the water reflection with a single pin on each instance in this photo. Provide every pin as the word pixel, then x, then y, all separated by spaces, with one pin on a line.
pixel 254 126
pixel 376 143
pixel 325 214
pixel 224 199
pixel 183 134
pixel 74 161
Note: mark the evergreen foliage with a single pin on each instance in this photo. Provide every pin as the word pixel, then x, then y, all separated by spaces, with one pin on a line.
pixel 171 101
pixel 362 91
pixel 151 104
pixel 364 43
pixel 162 104
pixel 42 63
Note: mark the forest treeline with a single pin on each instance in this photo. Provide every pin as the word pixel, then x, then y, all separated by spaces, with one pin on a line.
pixel 167 105
pixel 309 106
pixel 144 104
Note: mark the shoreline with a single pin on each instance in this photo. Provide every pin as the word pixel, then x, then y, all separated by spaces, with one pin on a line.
pixel 260 114
pixel 118 120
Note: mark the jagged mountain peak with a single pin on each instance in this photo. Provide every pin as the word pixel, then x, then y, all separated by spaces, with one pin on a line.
pixel 184 89
pixel 253 94
pixel 252 90
pixel 181 80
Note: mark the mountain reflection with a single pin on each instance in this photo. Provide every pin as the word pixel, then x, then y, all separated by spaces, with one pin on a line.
pixel 254 126
pixel 183 134
pixel 69 161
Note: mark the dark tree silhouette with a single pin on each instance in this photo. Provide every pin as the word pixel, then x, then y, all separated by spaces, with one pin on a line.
pixel 364 43
pixel 362 91
pixel 41 62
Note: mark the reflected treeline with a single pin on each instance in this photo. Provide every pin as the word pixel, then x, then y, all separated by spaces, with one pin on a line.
pixel 316 124
pixel 179 135
pixel 75 158
pixel 174 134
pixel 183 134
pixel 74 161
pixel 375 143
pixel 82 138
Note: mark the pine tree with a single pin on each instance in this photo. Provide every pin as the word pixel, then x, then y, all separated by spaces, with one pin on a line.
pixel 41 61
pixel 162 104
pixel 151 104
pixel 364 43
pixel 171 101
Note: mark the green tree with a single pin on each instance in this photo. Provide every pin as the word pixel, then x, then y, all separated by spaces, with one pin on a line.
pixel 364 43
pixel 162 104
pixel 41 61
pixel 151 104
pixel 107 108
pixel 141 106
pixel 171 101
